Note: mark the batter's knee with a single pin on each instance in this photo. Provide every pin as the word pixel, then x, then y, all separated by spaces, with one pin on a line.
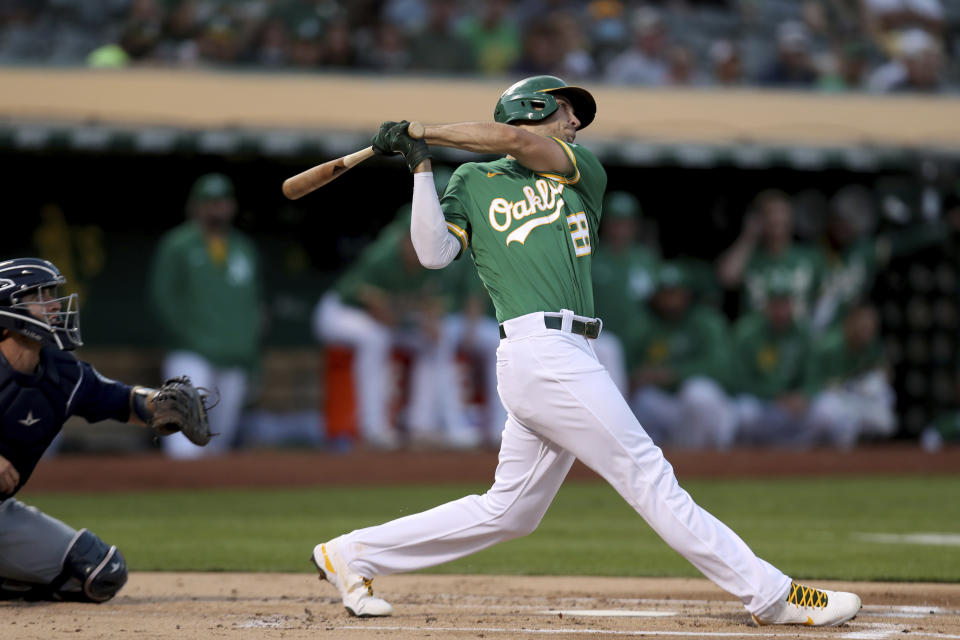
pixel 516 522
pixel 98 567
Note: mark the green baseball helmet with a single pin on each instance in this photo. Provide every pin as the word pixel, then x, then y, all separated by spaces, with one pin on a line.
pixel 533 99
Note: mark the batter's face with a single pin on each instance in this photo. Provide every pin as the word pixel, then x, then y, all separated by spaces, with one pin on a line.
pixel 562 123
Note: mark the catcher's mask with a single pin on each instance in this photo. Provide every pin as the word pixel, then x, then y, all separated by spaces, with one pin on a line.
pixel 31 304
pixel 533 99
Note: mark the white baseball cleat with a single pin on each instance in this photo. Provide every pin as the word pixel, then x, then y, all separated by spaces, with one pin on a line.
pixel 356 591
pixel 809 606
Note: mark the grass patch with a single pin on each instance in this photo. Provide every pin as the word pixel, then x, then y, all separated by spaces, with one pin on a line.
pixel 806 527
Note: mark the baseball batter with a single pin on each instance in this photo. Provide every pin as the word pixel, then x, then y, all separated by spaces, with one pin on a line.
pixel 530 219
pixel 41 385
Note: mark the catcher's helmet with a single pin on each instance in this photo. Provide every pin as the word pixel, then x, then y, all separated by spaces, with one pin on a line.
pixel 21 277
pixel 533 99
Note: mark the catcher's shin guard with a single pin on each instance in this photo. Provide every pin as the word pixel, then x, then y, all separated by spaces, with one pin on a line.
pixel 98 567
pixel 92 572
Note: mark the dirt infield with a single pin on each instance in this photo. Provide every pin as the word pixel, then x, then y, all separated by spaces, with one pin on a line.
pixel 316 468
pixel 296 606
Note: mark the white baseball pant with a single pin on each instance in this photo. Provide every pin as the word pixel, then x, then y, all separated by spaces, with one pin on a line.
pixel 562 404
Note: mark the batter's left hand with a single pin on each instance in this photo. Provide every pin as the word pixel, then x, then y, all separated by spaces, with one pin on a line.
pixel 9 476
pixel 381 140
pixel 394 138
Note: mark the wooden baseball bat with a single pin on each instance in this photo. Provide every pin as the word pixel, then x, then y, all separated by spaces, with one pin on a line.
pixel 315 177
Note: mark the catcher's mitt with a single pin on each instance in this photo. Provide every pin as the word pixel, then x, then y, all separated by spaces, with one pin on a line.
pixel 179 406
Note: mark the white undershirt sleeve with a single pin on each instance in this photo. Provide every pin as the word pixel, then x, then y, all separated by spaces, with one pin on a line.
pixel 436 247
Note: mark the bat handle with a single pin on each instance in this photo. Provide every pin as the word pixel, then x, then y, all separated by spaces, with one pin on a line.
pixel 415 130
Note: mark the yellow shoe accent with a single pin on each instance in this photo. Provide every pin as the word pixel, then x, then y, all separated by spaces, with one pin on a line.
pixel 807 597
pixel 326 560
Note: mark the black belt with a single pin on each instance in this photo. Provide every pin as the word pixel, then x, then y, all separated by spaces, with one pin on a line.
pixel 589 329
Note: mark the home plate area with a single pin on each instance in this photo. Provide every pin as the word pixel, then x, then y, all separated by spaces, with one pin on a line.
pixel 295 606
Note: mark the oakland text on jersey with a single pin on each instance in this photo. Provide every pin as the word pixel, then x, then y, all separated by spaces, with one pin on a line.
pixel 503 211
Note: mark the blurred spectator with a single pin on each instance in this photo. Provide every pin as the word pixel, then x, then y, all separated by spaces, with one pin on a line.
pixel 846 69
pixel 766 247
pixel 409 15
pixel 494 37
pixel 471 329
pixel 854 254
pixel 823 43
pixel 577 62
pixel 945 427
pixel 206 290
pixel 793 66
pixel 771 348
pixel 916 66
pixel 645 62
pixel 389 50
pixel 682 351
pixel 383 301
pixel 682 67
pixel 848 381
pixel 272 45
pixel 726 68
pixel 221 41
pixel 306 49
pixel 542 51
pixel 337 48
pixel 142 29
pixel 887 20
pixel 624 277
pixel 836 21
pixel 109 56
pixel 437 47
pixel 181 32
pixel 608 32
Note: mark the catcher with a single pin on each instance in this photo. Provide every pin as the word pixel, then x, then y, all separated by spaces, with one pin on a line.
pixel 41 385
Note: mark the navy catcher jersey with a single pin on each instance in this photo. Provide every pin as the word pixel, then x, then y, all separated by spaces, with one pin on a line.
pixel 33 407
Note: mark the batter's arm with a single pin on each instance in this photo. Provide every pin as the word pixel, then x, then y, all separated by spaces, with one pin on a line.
pixel 432 240
pixel 535 152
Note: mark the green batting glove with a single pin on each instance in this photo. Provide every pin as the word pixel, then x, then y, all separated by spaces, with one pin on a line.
pixel 414 151
pixel 381 141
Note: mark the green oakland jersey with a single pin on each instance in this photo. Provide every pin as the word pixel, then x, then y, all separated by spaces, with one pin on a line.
pixel 207 305
pixel 695 344
pixel 767 362
pixel 848 276
pixel 531 234
pixel 800 266
pixel 833 362
pixel 390 265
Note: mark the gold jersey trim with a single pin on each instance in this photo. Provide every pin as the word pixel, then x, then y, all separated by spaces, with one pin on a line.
pixel 460 233
pixel 573 159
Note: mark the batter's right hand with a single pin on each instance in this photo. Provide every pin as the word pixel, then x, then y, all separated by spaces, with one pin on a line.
pixel 9 476
pixel 381 140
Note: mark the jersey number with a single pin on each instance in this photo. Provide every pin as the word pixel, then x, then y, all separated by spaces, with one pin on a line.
pixel 580 233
